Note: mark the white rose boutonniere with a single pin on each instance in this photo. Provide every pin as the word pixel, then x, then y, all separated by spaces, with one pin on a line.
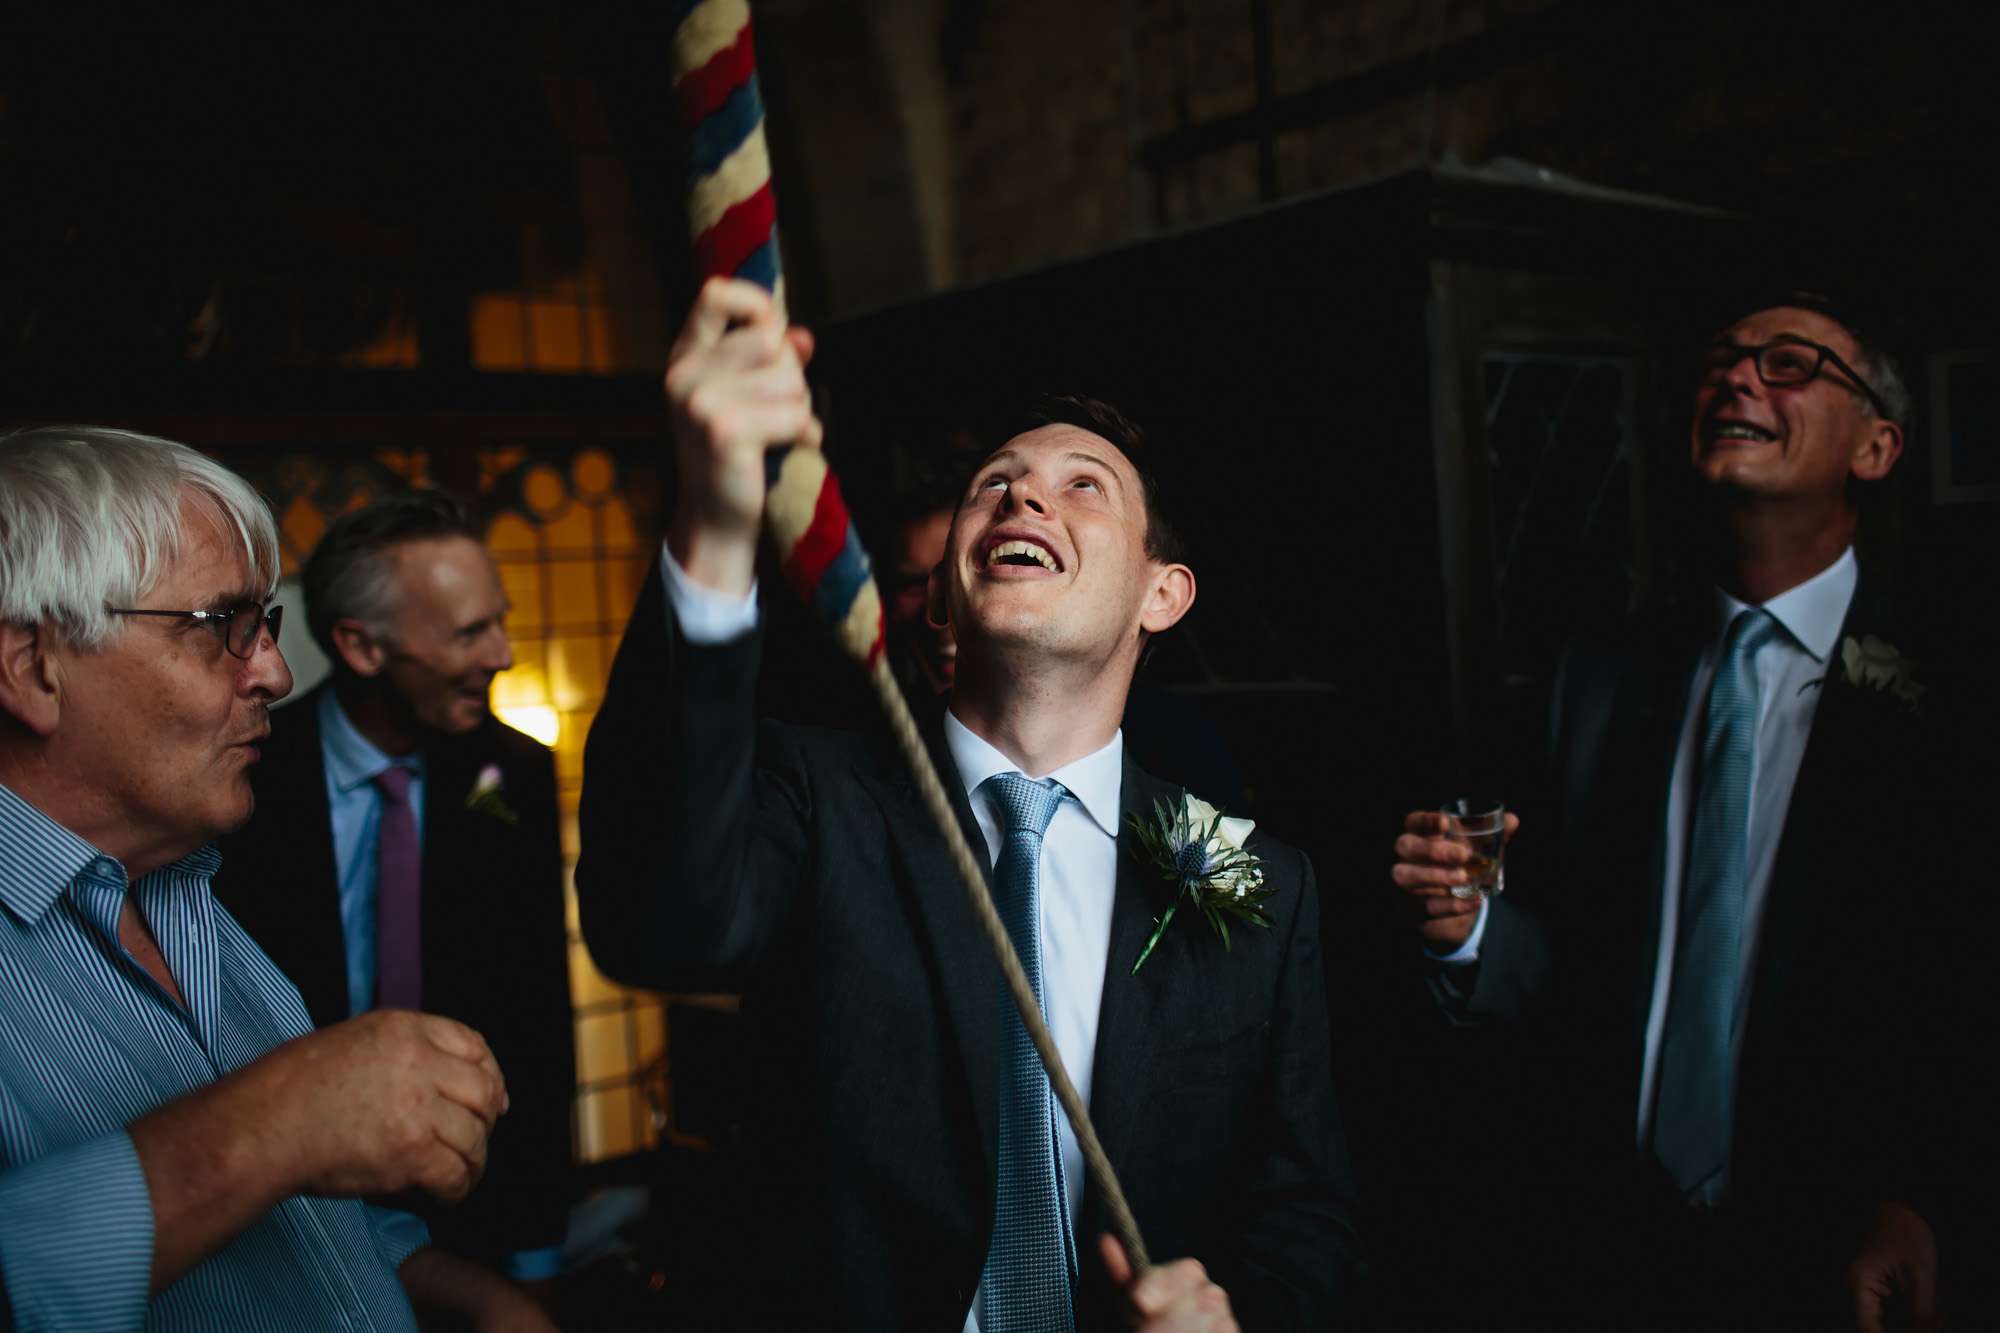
pixel 1199 851
pixel 485 797
pixel 1875 664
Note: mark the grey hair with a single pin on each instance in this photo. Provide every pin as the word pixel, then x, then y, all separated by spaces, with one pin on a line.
pixel 1885 377
pixel 92 517
pixel 351 574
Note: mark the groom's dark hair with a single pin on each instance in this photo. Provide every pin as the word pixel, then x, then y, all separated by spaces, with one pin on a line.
pixel 1163 536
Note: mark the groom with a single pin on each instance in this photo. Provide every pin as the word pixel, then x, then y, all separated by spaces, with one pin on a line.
pixel 900 1171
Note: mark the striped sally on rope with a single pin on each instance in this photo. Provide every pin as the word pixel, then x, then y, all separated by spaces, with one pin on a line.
pixel 733 216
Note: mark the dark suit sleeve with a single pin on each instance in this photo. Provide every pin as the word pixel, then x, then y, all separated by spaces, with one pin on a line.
pixel 691 849
pixel 1510 977
pixel 1287 1265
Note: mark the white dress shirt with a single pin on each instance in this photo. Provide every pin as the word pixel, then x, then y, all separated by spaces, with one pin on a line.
pixel 1788 669
pixel 1079 866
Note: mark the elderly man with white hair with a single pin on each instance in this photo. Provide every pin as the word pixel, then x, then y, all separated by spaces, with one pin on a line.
pixel 178 1147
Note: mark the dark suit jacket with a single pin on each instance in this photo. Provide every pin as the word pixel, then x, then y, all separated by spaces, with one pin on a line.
pixel 801 866
pixel 1844 1033
pixel 495 950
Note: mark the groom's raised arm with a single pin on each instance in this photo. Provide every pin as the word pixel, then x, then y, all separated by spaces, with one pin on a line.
pixel 691 852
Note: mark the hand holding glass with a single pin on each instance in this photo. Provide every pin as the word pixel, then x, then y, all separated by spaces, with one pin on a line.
pixel 1481 826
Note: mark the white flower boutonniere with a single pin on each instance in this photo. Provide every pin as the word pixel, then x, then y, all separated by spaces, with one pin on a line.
pixel 485 797
pixel 1200 852
pixel 1875 664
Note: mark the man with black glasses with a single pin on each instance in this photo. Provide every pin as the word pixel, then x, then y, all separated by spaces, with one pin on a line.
pixel 178 1148
pixel 1714 963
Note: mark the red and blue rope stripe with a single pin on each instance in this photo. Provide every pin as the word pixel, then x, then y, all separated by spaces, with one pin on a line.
pixel 733 218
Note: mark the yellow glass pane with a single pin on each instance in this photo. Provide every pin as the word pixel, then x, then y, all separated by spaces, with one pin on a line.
pixel 521 687
pixel 558 335
pixel 573 592
pixel 523 583
pixel 587 985
pixel 572 530
pixel 604 1045
pixel 569 750
pixel 576 676
pixel 592 473
pixel 622 581
pixel 615 525
pixel 512 535
pixel 603 341
pixel 607 1125
pixel 412 465
pixel 498 340
pixel 649 1022
pixel 497 462
pixel 303 526
pixel 543 491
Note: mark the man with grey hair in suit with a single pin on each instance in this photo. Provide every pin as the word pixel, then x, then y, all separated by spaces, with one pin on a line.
pixel 178 1147
pixel 1718 965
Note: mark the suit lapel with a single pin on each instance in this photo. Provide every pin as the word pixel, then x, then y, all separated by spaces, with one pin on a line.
pixel 1816 819
pixel 968 976
pixel 452 853
pixel 302 899
pixel 1128 1024
pixel 1667 699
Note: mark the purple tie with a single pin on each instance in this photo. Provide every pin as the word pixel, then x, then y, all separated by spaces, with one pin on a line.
pixel 399 977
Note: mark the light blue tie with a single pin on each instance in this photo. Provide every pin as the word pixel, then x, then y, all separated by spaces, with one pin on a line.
pixel 1032 1262
pixel 1692 1128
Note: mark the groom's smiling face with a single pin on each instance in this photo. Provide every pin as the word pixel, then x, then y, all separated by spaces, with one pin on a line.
pixel 1048 549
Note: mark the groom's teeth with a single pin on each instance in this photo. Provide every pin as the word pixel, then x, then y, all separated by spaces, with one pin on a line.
pixel 1732 430
pixel 1028 549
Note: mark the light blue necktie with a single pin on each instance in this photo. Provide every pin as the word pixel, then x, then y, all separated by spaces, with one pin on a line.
pixel 1029 1269
pixel 1692 1128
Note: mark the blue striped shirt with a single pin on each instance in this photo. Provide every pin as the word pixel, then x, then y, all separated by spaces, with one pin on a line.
pixel 90 1043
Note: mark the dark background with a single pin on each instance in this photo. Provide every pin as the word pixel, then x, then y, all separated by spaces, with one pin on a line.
pixel 1403 294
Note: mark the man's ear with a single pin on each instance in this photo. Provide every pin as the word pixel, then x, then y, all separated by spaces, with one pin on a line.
pixel 936 609
pixel 30 679
pixel 359 648
pixel 1879 451
pixel 1171 595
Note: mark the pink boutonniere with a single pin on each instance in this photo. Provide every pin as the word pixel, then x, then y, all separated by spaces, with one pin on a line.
pixel 485 797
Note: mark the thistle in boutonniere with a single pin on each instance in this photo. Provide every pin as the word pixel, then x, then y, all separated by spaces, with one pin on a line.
pixel 1875 664
pixel 485 797
pixel 1200 852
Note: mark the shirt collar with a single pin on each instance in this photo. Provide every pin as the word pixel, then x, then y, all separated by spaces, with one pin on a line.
pixel 40 859
pixel 351 758
pixel 1812 613
pixel 1094 780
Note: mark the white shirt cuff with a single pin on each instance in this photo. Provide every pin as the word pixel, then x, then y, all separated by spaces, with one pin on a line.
pixel 1467 953
pixel 704 615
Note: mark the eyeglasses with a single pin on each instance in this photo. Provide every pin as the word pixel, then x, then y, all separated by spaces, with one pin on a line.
pixel 238 627
pixel 1788 362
